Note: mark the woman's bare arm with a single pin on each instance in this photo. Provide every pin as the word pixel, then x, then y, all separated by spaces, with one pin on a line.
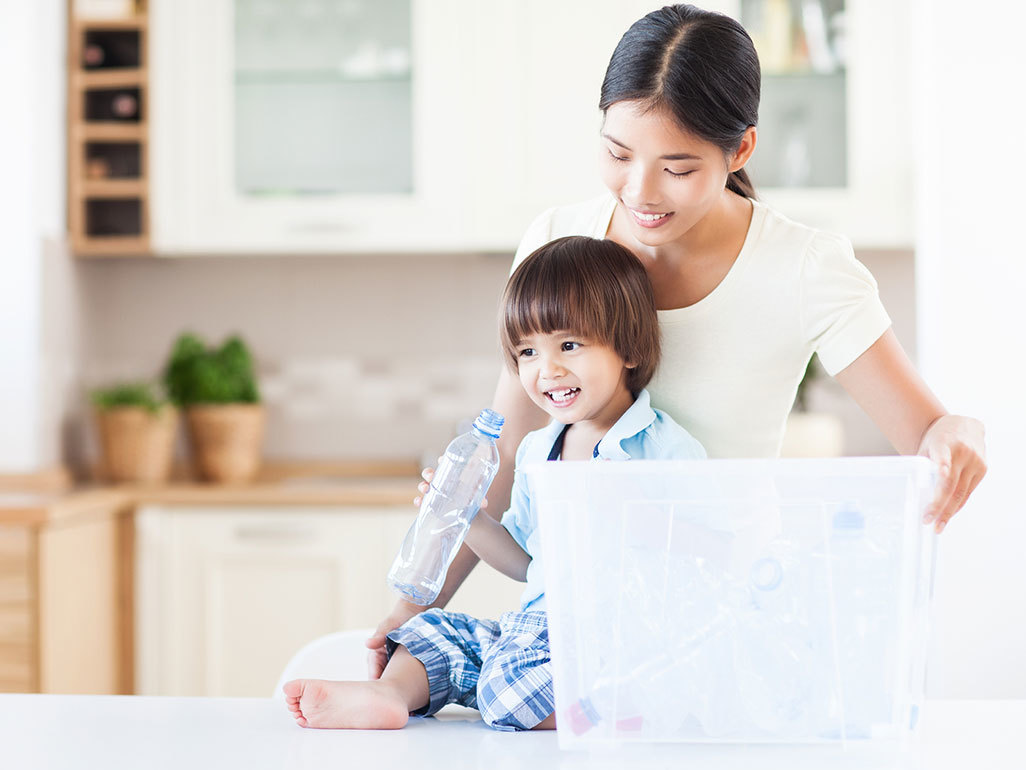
pixel 887 386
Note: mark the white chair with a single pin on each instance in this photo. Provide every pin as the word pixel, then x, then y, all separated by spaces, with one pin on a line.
pixel 341 655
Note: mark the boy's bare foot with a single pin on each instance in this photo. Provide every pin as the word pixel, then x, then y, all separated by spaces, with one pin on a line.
pixel 356 705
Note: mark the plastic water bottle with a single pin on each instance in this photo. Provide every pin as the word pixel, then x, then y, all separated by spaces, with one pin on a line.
pixel 863 596
pixel 459 485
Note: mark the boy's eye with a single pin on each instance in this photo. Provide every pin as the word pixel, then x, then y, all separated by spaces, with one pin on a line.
pixel 568 346
pixel 526 352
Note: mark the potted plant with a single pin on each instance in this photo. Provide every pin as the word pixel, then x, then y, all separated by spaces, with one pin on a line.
pixel 810 433
pixel 217 389
pixel 137 432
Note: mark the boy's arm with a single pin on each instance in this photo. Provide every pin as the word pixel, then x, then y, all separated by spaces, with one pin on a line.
pixel 493 543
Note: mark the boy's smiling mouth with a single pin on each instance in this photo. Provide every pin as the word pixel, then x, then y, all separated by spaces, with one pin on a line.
pixel 562 396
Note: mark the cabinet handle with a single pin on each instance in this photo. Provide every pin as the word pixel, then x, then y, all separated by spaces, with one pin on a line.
pixel 320 227
pixel 274 534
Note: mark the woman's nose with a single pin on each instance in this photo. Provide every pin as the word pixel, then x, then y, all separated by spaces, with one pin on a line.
pixel 641 187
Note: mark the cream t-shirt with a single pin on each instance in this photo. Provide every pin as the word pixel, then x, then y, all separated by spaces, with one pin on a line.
pixel 732 361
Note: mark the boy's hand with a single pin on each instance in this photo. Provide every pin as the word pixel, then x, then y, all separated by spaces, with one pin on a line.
pixel 378 657
pixel 427 474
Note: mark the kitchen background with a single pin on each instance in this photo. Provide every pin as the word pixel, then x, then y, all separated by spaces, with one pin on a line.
pixel 370 304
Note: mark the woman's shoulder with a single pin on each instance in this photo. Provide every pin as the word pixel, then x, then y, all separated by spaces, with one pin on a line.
pixel 590 217
pixel 780 235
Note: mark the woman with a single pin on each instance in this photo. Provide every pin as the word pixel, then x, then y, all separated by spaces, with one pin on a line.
pixel 745 295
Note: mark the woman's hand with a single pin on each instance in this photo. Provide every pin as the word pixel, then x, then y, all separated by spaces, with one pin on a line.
pixel 956 444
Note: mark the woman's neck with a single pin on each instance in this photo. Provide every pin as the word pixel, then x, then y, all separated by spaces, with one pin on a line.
pixel 688 269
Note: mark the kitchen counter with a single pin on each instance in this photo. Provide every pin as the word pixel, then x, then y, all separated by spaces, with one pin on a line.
pixel 113 732
pixel 338 483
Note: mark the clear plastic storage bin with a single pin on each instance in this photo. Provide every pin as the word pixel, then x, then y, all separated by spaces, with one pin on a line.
pixel 736 600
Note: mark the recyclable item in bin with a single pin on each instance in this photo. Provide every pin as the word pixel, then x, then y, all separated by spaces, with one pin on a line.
pixel 736 600
pixel 456 490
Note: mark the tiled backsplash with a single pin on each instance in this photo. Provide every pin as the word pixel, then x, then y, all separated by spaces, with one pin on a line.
pixel 358 357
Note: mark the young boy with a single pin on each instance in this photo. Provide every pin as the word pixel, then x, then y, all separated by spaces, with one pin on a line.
pixel 579 326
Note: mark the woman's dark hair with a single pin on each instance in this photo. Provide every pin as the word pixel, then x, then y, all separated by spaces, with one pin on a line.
pixel 594 288
pixel 699 65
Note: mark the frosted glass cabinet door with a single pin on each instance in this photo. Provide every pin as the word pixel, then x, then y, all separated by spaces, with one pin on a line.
pixel 310 126
pixel 835 122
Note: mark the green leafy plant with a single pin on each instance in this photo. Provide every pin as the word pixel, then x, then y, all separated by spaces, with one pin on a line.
pixel 812 373
pixel 197 374
pixel 134 394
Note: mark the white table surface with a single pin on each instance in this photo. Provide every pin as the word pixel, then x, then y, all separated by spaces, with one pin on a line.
pixel 153 733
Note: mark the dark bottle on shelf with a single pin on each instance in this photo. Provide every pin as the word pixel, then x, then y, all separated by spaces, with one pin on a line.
pixel 113 104
pixel 110 49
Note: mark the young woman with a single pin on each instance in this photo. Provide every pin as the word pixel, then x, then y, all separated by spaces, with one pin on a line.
pixel 745 295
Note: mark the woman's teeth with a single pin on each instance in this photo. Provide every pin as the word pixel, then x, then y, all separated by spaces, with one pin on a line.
pixel 648 217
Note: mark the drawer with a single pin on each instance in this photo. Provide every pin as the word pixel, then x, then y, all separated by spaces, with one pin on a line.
pixel 17 668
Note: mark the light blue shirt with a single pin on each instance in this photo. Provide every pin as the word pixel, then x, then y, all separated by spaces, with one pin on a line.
pixel 641 433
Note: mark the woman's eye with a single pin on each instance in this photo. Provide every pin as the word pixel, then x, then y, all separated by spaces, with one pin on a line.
pixel 568 346
pixel 680 174
pixel 616 157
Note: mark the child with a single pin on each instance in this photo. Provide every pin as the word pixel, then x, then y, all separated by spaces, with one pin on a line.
pixel 579 328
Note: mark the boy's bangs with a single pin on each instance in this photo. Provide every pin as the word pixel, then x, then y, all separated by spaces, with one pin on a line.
pixel 549 310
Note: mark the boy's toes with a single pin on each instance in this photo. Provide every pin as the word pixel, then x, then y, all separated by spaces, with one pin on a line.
pixel 293 689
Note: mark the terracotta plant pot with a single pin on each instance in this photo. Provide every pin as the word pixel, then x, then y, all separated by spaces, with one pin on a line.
pixel 137 445
pixel 226 440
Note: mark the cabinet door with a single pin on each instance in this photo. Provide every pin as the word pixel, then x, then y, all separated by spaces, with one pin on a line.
pixel 226 596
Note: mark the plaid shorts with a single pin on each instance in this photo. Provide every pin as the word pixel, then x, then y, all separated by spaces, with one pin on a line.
pixel 502 668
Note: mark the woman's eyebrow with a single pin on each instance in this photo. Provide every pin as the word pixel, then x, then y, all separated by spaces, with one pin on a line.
pixel 674 156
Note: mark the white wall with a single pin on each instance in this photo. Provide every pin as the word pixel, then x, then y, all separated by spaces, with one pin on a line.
pixel 971 297
pixel 32 211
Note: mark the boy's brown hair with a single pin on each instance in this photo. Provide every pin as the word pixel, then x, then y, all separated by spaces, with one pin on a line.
pixel 594 288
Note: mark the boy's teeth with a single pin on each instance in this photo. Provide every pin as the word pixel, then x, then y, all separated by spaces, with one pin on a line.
pixel 562 395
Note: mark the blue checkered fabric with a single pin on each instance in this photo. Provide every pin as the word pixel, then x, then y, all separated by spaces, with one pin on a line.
pixel 502 668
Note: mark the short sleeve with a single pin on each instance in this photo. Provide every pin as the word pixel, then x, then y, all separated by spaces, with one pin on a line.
pixel 538 233
pixel 518 520
pixel 842 315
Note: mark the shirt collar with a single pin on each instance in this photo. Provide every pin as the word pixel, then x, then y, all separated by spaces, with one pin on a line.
pixel 637 417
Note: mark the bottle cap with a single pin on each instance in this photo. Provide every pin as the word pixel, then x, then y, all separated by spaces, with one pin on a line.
pixel 489 422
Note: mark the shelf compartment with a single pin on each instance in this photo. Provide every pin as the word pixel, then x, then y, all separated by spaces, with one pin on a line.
pixel 119 49
pixel 112 160
pixel 106 217
pixel 100 105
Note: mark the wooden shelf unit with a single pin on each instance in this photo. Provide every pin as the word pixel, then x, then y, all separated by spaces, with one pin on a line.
pixel 108 170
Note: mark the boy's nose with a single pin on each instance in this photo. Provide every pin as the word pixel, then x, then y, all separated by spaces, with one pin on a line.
pixel 552 368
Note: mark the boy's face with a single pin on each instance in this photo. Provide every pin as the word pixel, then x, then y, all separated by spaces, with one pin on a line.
pixel 574 379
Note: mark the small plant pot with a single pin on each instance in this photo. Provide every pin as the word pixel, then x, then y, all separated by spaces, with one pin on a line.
pixel 137 445
pixel 813 434
pixel 226 441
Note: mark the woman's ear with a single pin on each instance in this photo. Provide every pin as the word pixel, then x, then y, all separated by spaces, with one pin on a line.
pixel 744 150
pixel 629 365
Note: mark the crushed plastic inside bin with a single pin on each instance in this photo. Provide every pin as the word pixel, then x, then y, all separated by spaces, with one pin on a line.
pixel 736 600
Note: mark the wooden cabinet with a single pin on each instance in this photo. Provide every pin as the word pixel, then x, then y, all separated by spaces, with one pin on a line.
pixel 108 104
pixel 64 599
pixel 226 595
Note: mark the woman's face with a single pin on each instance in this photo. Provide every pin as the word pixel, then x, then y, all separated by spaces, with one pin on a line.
pixel 664 179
